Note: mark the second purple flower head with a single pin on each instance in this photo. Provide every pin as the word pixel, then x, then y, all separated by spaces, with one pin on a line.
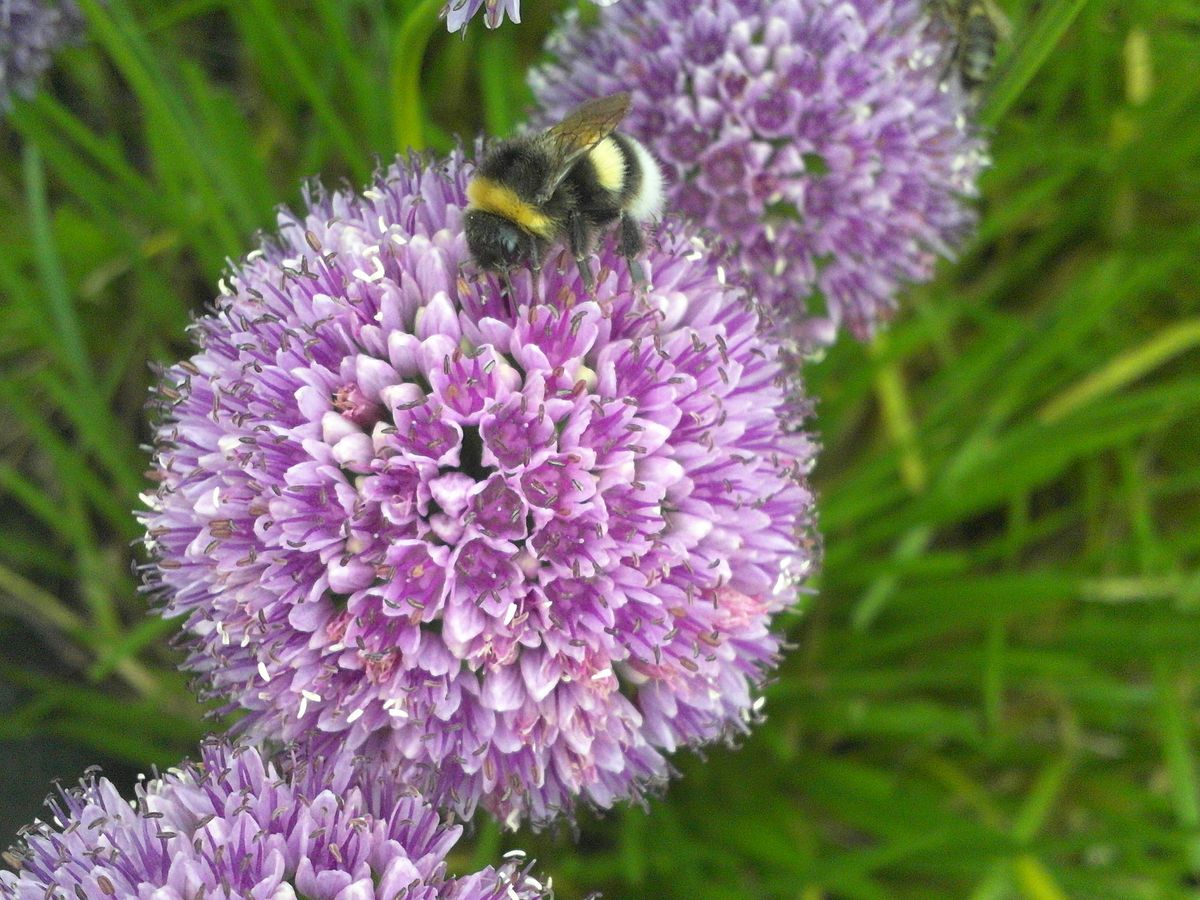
pixel 813 137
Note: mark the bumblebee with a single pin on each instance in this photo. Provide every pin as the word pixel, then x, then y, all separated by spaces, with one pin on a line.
pixel 567 183
pixel 978 26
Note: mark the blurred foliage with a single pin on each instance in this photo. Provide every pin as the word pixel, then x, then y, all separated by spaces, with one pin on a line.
pixel 993 689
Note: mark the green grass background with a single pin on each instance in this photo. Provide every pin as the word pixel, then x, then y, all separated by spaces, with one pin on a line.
pixel 993 692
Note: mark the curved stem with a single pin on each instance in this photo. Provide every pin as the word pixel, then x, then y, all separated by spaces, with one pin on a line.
pixel 408 54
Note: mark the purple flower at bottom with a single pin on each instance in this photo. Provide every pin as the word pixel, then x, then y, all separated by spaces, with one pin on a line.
pixel 31 31
pixel 814 137
pixel 513 548
pixel 233 825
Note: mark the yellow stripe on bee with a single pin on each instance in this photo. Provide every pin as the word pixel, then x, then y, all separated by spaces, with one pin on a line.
pixel 493 197
pixel 609 163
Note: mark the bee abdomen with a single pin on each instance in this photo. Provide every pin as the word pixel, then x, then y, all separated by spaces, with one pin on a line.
pixel 610 165
pixel 642 191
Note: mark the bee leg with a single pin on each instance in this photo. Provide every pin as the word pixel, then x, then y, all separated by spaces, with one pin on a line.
pixel 577 237
pixel 630 246
pixel 535 283
pixel 585 273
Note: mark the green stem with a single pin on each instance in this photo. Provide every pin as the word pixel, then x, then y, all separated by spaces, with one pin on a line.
pixel 408 55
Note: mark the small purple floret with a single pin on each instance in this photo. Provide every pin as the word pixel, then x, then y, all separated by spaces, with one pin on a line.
pixel 458 13
pixel 31 32
pixel 813 136
pixel 235 826
pixel 515 548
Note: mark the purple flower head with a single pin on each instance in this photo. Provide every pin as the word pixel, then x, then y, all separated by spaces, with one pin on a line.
pixel 458 13
pixel 233 826
pixel 812 136
pixel 30 33
pixel 515 549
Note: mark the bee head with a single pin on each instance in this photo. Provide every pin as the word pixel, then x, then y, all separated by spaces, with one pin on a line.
pixel 498 243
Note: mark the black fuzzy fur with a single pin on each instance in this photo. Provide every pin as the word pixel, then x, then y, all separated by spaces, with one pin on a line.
pixel 579 206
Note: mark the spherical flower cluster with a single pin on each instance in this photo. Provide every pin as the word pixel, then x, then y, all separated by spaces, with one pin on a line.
pixel 813 136
pixel 458 13
pixel 233 826
pixel 30 33
pixel 515 546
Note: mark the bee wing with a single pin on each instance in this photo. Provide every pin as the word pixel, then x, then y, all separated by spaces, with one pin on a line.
pixel 583 128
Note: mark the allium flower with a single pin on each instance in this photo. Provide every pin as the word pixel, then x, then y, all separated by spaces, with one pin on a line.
pixel 30 33
pixel 458 13
pixel 233 826
pixel 514 550
pixel 811 135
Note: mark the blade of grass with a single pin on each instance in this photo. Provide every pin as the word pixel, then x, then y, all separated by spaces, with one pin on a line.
pixel 81 400
pixel 54 283
pixel 75 476
pixel 1180 759
pixel 1035 880
pixel 38 503
pixel 1030 53
pixel 128 647
pixel 356 63
pixel 1033 877
pixel 42 610
pixel 1126 368
pixel 113 741
pixel 1141 590
pixel 114 28
pixel 898 422
pixel 44 120
pixel 993 678
pixel 164 20
pixel 1041 799
pixel 217 113
pixel 33 554
pixel 98 432
pixel 1029 455
pixel 875 598
pixel 263 16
